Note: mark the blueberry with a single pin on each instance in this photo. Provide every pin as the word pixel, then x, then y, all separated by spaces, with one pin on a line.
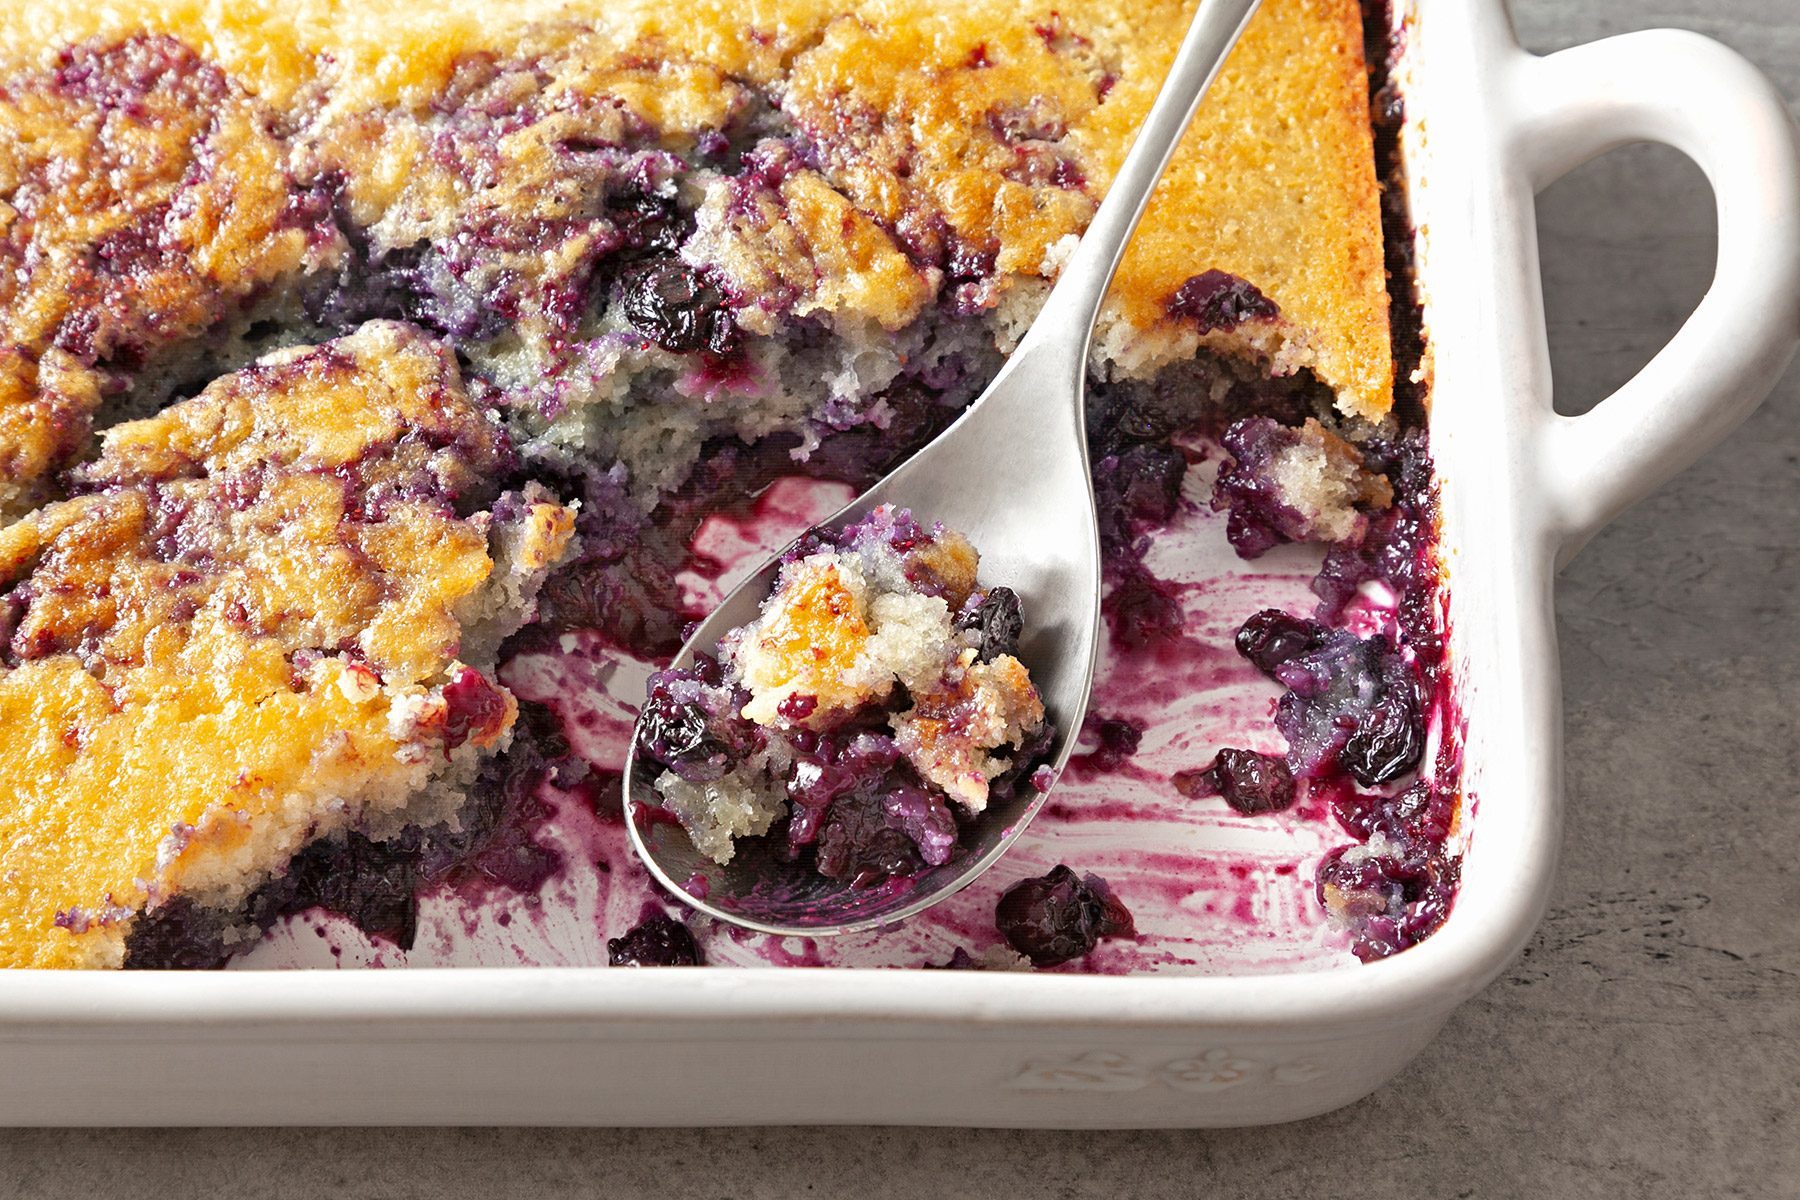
pixel 1417 819
pixel 1260 519
pixel 1250 782
pixel 1390 736
pixel 857 844
pixel 708 670
pixel 1152 478
pixel 861 805
pixel 1272 637
pixel 1119 740
pixel 177 935
pixel 657 941
pixel 840 762
pixel 1140 482
pixel 374 884
pixel 1397 547
pixel 648 222
pixel 999 620
pixel 673 733
pixel 1351 704
pixel 670 303
pixel 1355 885
pixel 1391 900
pixel 473 708
pixel 797 707
pixel 691 722
pixel 1220 300
pixel 1060 916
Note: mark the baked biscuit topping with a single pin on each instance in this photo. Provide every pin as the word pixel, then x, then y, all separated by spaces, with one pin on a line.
pixel 777 221
pixel 247 631
pixel 143 196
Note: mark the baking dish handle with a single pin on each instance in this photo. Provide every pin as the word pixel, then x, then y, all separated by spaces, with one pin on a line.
pixel 1693 94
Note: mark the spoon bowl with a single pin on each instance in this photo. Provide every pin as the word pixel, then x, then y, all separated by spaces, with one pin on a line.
pixel 1012 475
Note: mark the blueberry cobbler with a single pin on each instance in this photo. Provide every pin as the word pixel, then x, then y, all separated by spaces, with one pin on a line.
pixel 874 701
pixel 385 388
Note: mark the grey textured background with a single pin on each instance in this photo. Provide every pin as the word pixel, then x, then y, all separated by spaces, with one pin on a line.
pixel 1647 1045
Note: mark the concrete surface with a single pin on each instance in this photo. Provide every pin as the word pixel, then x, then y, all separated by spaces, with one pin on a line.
pixel 1647 1045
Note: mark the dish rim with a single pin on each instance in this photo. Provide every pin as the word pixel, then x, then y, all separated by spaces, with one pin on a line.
pixel 1467 158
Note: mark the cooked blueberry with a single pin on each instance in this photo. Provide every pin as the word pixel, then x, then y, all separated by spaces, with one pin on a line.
pixel 1119 740
pixel 672 732
pixel 1060 916
pixel 863 807
pixel 1250 782
pixel 1220 300
pixel 1350 691
pixel 1142 610
pixel 1389 738
pixel 797 707
pixel 1151 476
pixel 924 818
pixel 1139 483
pixel 1390 895
pixel 1355 884
pixel 473 708
pixel 840 762
pixel 178 936
pixel 1144 480
pixel 1396 550
pixel 670 303
pixel 999 620
pixel 1259 516
pixel 897 527
pixel 1417 818
pixel 858 844
pixel 657 941
pixel 1272 637
pixel 648 222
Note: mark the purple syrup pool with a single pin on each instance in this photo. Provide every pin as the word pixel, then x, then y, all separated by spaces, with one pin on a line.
pixel 1210 890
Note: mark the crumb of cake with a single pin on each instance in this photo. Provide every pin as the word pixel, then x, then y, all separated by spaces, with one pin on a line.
pixel 846 628
pixel 247 630
pixel 876 687
pixel 1294 485
pixel 744 802
pixel 951 731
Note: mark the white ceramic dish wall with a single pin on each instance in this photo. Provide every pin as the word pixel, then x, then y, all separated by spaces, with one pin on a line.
pixel 1489 125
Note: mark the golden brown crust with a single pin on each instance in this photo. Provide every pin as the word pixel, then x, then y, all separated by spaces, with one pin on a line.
pixel 989 123
pixel 141 193
pixel 248 628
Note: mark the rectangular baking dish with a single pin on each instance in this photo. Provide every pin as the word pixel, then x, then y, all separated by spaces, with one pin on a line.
pixel 1488 125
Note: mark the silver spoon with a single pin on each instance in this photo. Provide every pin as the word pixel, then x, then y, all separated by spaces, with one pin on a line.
pixel 1011 474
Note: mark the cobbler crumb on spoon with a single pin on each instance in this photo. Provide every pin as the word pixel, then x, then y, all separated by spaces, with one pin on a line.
pixel 867 714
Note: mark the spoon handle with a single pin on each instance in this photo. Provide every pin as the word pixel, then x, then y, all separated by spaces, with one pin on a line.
pixel 1068 316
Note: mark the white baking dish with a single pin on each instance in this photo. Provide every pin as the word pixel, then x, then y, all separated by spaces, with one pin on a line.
pixel 1489 125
